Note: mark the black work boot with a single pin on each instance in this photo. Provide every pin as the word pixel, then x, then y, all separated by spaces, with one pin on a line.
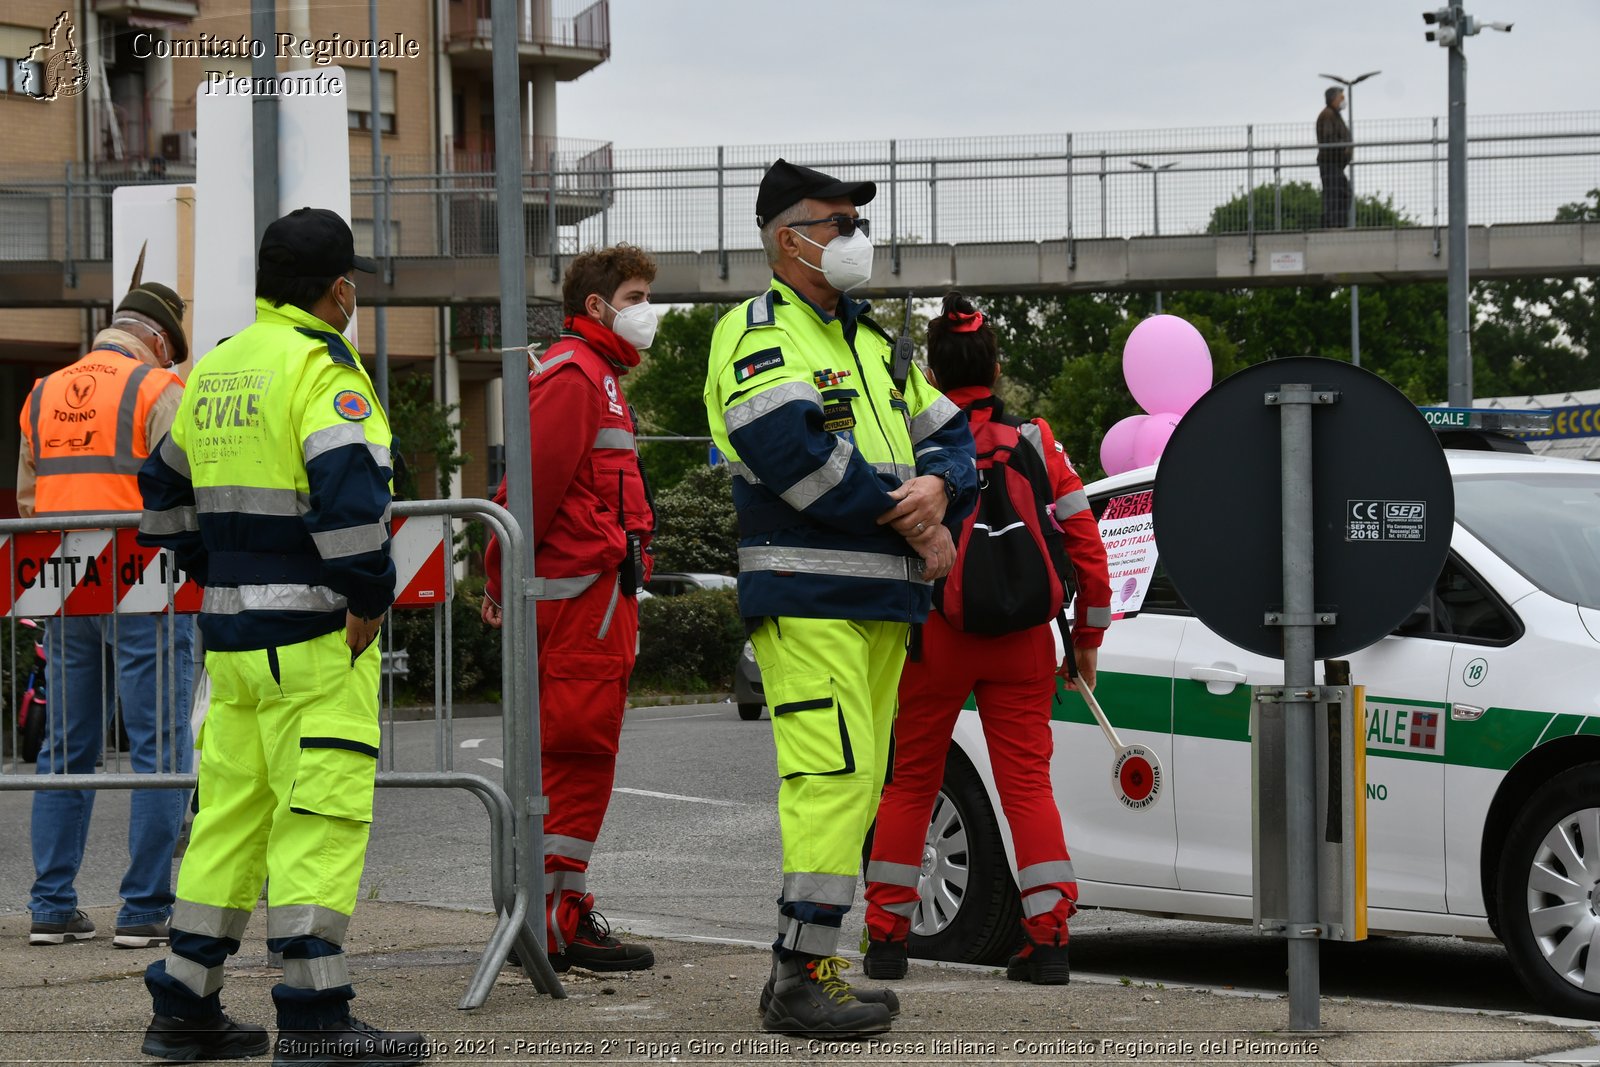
pixel 348 1043
pixel 1041 964
pixel 868 995
pixel 885 960
pixel 593 948
pixel 809 999
pixel 217 1038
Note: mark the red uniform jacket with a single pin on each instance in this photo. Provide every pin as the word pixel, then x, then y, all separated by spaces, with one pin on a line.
pixel 585 462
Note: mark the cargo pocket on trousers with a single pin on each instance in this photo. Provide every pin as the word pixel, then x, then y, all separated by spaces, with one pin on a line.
pixel 581 703
pixel 335 778
pixel 808 729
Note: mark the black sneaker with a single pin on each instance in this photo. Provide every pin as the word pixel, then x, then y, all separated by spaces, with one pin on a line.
pixel 810 999
pixel 1040 964
pixel 219 1038
pixel 148 935
pixel 868 995
pixel 885 960
pixel 77 928
pixel 348 1043
pixel 593 948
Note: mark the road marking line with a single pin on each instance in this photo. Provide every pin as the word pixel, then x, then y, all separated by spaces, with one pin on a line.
pixel 491 761
pixel 472 742
pixel 678 796
pixel 674 718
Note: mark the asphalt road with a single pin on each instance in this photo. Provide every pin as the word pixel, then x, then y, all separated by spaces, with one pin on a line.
pixel 690 849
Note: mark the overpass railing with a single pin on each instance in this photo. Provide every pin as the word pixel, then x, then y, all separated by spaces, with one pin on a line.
pixel 1072 186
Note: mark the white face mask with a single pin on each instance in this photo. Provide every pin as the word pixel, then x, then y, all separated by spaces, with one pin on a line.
pixel 349 316
pixel 846 261
pixel 635 325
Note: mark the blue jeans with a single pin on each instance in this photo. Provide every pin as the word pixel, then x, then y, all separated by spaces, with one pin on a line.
pixel 152 679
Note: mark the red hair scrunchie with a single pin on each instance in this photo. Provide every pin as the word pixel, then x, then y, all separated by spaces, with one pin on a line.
pixel 967 323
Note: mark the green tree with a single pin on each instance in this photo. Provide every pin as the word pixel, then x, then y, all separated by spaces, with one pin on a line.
pixel 1300 207
pixel 696 528
pixel 424 436
pixel 666 390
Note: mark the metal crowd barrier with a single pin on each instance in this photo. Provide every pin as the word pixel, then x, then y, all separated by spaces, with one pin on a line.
pixel 44 579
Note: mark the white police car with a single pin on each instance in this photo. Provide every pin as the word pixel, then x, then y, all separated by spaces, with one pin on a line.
pixel 1482 738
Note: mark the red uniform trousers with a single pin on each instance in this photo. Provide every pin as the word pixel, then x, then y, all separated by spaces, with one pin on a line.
pixel 1014 678
pixel 586 652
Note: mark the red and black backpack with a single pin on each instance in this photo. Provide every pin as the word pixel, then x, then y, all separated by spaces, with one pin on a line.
pixel 1011 571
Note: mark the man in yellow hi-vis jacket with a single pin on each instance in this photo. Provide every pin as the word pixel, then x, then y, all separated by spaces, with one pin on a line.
pixel 273 490
pixel 845 472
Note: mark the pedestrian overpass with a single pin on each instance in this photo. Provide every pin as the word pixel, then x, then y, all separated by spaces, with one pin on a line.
pixel 1220 207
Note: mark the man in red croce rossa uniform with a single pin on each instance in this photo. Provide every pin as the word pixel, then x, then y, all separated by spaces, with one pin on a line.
pixel 591 526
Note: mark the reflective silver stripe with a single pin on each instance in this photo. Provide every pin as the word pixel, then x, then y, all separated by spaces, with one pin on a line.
pixel 1036 904
pixel 893 873
pixel 208 920
pixel 811 939
pixel 1099 618
pixel 565 588
pixel 807 490
pixel 331 437
pixel 932 418
pixel 572 848
pixel 201 981
pixel 1029 432
pixel 820 888
pixel 236 599
pixel 35 413
pixel 831 561
pixel 614 437
pixel 251 500
pixel 172 521
pixel 558 882
pixel 903 471
pixel 173 456
pixel 324 972
pixel 739 470
pixel 766 402
pixel 549 364
pixel 307 920
pixel 350 541
pixel 1048 873
pixel 1072 503
pixel 907 908
pixel 611 609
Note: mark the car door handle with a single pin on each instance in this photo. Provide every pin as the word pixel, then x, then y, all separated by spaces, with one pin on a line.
pixel 1217 674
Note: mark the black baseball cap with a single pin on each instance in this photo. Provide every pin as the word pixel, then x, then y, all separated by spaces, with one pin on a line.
pixel 160 304
pixel 785 184
pixel 310 242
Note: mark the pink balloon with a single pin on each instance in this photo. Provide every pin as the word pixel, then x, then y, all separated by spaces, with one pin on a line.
pixel 1166 364
pixel 1152 437
pixel 1116 448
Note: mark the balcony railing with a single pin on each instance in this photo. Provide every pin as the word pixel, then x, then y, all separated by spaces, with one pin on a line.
pixel 580 25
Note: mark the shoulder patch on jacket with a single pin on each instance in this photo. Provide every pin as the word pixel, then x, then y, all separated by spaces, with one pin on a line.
pixel 351 405
pixel 760 311
pixel 756 362
pixel 338 346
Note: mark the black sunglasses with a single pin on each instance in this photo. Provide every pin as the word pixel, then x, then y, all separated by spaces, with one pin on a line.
pixel 848 224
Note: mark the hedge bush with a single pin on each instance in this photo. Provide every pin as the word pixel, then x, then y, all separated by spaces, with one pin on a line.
pixel 475 659
pixel 689 643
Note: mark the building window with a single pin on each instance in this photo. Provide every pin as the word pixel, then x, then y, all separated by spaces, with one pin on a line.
pixel 358 86
pixel 362 229
pixel 16 44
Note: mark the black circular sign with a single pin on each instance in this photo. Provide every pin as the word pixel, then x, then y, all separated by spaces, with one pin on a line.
pixel 1383 506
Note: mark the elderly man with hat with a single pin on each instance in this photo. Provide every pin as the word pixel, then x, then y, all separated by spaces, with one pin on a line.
pixel 847 469
pixel 273 489
pixel 85 431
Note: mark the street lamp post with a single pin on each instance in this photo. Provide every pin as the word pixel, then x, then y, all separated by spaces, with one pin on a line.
pixel 1154 170
pixel 1355 290
pixel 1452 27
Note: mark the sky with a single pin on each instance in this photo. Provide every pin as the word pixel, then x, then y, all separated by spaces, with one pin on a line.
pixel 702 72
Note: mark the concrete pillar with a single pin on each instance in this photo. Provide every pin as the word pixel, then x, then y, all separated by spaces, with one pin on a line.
pixel 300 26
pixel 542 113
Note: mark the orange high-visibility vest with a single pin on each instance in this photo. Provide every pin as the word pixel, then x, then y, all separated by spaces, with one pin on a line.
pixel 85 425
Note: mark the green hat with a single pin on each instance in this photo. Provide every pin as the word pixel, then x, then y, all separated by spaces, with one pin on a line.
pixel 163 307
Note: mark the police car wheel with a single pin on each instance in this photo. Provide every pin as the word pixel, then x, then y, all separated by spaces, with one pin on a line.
pixel 969 911
pixel 750 712
pixel 1549 893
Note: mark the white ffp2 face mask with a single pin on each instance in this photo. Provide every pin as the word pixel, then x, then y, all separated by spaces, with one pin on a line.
pixel 846 261
pixel 635 324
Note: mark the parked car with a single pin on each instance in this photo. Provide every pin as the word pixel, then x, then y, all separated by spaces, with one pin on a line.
pixel 748 693
pixel 675 583
pixel 1482 739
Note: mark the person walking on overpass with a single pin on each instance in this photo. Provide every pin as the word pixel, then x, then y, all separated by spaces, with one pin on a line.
pixel 1334 154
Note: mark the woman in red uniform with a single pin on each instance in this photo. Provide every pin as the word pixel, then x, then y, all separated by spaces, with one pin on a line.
pixel 1014 678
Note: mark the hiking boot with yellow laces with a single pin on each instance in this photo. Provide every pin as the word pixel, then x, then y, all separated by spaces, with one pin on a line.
pixel 867 995
pixel 810 999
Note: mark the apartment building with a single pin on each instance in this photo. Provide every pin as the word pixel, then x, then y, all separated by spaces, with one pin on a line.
pixel 124 76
